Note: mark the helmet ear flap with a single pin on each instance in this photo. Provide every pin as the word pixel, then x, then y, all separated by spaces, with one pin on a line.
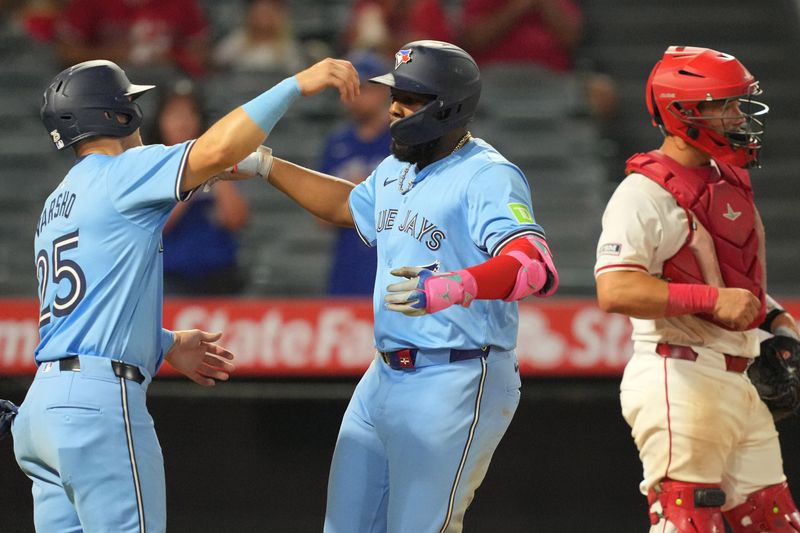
pixel 656 113
pixel 650 99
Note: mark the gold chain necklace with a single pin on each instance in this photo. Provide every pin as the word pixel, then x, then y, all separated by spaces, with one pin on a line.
pixel 464 140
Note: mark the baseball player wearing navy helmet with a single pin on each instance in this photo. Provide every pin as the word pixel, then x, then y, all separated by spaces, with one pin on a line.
pixel 682 253
pixel 457 246
pixel 83 434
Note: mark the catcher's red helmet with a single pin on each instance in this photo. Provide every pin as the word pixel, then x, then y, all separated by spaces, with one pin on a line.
pixel 688 76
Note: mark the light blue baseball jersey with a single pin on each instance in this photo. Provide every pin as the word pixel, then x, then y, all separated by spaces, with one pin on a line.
pixel 461 211
pixel 98 256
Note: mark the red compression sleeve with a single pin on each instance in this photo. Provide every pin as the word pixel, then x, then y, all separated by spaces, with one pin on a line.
pixel 496 277
pixel 690 298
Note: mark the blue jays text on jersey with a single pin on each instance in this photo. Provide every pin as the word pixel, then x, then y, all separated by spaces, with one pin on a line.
pixel 460 211
pixel 427 233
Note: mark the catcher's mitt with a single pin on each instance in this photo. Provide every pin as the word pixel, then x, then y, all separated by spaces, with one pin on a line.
pixel 775 375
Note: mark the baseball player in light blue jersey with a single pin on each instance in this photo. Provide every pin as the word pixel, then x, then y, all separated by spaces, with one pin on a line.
pixel 453 217
pixel 83 434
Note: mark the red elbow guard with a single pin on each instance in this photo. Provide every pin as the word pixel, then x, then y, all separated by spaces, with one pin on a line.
pixel 538 275
pixel 523 268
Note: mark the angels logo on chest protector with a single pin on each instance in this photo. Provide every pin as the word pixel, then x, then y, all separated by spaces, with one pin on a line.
pixel 731 214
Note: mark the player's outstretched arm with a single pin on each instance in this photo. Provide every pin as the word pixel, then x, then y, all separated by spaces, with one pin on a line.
pixel 195 354
pixel 523 268
pixel 632 293
pixel 236 135
pixel 322 195
pixel 641 295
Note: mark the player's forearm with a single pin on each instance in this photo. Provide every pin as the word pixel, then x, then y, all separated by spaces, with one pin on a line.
pixel 226 143
pixel 237 134
pixel 323 196
pixel 634 294
pixel 524 267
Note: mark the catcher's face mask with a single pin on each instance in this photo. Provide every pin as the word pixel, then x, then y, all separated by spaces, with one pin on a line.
pixel 706 98
pixel 729 129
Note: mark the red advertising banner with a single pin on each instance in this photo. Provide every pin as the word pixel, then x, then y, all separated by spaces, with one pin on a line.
pixel 326 337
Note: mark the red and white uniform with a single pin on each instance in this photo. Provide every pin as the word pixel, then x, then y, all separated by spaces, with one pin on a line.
pixel 692 421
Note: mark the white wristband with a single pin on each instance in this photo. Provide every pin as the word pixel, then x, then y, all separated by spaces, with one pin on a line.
pixel 785 331
pixel 259 163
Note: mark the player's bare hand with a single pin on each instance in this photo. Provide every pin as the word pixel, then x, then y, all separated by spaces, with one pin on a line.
pixel 407 297
pixel 196 355
pixel 337 73
pixel 736 308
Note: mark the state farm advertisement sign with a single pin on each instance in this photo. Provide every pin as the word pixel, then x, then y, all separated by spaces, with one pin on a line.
pixel 329 337
pixel 323 337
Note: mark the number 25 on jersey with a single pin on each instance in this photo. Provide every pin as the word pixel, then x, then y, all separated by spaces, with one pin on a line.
pixel 62 269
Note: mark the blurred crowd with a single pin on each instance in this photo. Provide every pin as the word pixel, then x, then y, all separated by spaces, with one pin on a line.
pixel 182 38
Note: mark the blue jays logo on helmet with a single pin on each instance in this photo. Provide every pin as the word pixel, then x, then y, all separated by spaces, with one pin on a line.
pixel 402 57
pixel 441 70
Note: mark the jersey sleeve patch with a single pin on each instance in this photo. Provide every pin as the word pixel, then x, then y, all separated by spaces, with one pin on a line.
pixel 610 248
pixel 521 213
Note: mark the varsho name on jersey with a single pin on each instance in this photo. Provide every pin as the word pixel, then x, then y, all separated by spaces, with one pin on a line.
pixel 60 206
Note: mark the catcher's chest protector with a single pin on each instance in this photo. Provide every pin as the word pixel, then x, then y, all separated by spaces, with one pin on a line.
pixel 724 206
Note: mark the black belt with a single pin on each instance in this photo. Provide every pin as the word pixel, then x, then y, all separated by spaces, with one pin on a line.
pixel 406 359
pixel 121 370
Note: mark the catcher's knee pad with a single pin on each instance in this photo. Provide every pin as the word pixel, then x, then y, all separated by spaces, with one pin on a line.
pixel 690 507
pixel 769 509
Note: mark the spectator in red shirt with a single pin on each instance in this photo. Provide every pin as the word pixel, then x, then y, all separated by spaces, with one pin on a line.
pixel 545 32
pixel 385 25
pixel 538 32
pixel 135 33
pixel 37 17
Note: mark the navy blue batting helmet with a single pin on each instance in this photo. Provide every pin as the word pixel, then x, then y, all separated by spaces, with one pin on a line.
pixel 90 99
pixel 443 71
